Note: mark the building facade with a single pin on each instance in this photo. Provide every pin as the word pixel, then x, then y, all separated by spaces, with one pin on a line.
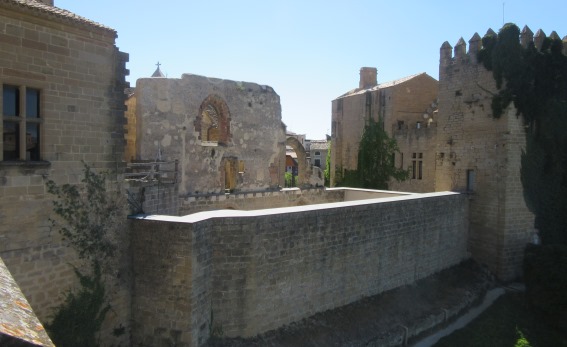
pixel 62 80
pixel 406 109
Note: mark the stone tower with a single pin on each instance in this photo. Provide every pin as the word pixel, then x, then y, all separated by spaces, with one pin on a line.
pixel 481 155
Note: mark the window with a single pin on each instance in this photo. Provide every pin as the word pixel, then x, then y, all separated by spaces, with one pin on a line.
pixel 21 123
pixel 213 122
pixel 318 162
pixel 417 166
pixel 470 180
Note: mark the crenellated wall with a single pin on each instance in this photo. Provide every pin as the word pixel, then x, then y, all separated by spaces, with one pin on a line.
pixel 481 155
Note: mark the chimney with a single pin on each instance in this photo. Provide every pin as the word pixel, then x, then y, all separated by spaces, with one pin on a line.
pixel 47 2
pixel 368 77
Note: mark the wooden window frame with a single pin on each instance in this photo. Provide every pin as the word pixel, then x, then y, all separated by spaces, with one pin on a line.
pixel 23 120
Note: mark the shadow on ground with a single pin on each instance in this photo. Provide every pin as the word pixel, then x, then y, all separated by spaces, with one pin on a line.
pixel 378 320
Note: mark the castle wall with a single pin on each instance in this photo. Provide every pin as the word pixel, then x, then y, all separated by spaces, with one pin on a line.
pixel 259 200
pixel 258 270
pixel 243 148
pixel 79 74
pixel 130 129
pixel 479 154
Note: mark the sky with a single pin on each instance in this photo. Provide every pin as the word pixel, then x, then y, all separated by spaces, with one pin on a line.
pixel 309 51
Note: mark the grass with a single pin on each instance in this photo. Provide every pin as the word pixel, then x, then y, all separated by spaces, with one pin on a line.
pixel 507 323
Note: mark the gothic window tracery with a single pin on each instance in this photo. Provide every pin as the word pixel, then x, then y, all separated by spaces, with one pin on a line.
pixel 213 122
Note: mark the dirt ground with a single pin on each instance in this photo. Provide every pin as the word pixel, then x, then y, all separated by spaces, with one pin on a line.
pixel 359 323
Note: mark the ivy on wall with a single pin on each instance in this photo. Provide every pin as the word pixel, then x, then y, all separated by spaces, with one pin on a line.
pixel 535 81
pixel 90 218
pixel 375 165
pixel 327 172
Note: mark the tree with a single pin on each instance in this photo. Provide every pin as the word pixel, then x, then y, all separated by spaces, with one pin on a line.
pixel 90 218
pixel 536 82
pixel 327 171
pixel 375 165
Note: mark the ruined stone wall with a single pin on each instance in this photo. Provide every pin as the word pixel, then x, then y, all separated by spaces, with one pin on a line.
pixel 80 75
pixel 480 154
pixel 258 270
pixel 226 135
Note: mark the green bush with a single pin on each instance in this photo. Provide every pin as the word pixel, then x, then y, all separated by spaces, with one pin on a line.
pixel 78 320
pixel 545 272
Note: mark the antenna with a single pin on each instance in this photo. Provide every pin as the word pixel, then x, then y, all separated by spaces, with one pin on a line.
pixel 503 22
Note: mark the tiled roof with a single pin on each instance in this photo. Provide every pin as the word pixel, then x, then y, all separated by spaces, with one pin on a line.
pixel 51 12
pixel 19 326
pixel 381 85
pixel 319 145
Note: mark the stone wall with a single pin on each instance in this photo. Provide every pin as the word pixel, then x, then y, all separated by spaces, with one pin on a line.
pixel 245 272
pixel 153 197
pixel 80 76
pixel 400 104
pixel 227 135
pixel 479 154
pixel 259 200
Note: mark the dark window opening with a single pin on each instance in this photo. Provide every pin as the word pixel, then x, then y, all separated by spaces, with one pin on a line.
pixel 417 166
pixel 21 132
pixel 471 180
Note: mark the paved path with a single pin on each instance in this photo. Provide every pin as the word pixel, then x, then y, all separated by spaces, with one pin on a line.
pixel 465 319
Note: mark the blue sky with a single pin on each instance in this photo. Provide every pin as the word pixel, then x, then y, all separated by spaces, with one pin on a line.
pixel 310 52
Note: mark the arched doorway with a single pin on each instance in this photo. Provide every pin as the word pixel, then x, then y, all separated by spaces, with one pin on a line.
pixel 303 170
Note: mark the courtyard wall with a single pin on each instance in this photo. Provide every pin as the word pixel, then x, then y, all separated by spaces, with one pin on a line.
pixel 241 273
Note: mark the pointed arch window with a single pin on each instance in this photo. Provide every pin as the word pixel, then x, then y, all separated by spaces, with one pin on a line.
pixel 213 122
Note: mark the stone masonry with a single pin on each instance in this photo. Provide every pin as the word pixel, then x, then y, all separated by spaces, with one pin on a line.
pixel 401 106
pixel 241 273
pixel 227 135
pixel 72 63
pixel 481 155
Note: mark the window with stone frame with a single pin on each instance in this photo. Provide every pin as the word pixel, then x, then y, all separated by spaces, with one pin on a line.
pixel 21 123
pixel 317 159
pixel 213 122
pixel 417 166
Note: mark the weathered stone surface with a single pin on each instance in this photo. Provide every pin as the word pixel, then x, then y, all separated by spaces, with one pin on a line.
pixel 381 320
pixel 482 155
pixel 401 105
pixel 254 271
pixel 80 75
pixel 225 134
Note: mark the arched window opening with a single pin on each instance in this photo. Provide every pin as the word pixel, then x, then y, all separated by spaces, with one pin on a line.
pixel 210 124
pixel 213 122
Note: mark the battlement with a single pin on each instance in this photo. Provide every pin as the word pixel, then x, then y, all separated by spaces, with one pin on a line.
pixel 459 54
